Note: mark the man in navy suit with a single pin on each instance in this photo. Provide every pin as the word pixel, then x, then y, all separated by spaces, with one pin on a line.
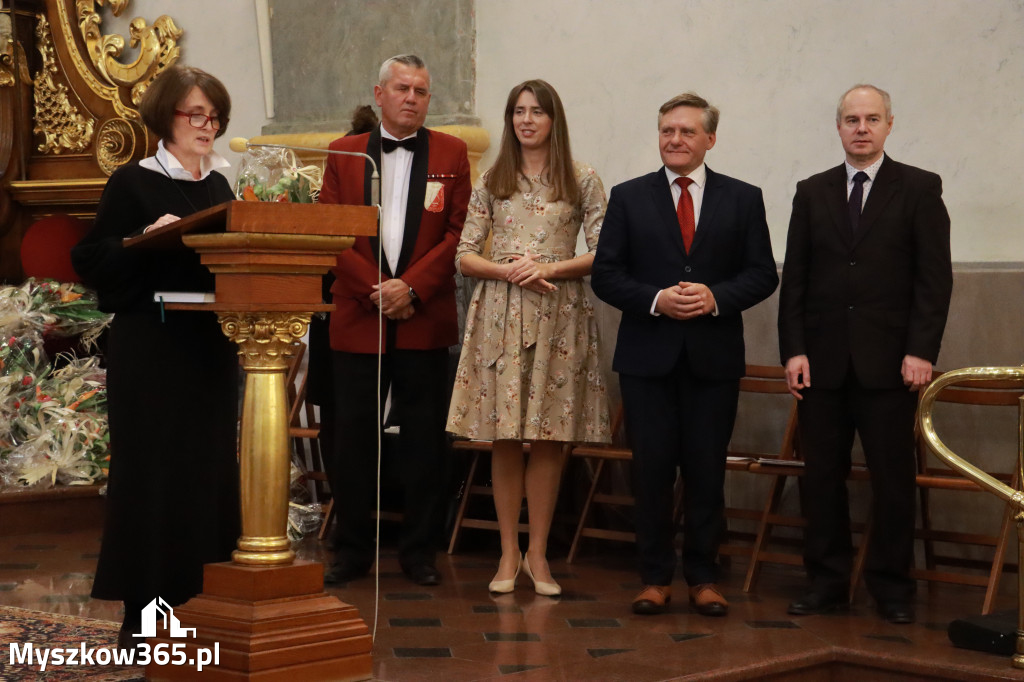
pixel 683 251
pixel 865 294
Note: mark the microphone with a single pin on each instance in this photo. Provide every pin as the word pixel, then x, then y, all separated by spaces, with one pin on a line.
pixel 240 144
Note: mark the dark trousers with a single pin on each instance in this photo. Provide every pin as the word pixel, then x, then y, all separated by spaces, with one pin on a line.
pixel 418 382
pixel 884 418
pixel 683 421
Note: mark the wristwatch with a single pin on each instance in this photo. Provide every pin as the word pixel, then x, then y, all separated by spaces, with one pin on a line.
pixel 412 295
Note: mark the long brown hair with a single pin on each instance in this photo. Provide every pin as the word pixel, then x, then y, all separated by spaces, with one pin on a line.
pixel 502 180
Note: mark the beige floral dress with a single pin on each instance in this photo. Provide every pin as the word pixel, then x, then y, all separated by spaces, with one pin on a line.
pixel 529 368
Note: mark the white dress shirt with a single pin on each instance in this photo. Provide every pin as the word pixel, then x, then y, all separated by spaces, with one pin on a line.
pixel 173 168
pixel 696 190
pixel 395 169
pixel 871 172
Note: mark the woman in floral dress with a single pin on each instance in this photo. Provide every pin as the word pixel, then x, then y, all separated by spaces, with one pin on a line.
pixel 529 370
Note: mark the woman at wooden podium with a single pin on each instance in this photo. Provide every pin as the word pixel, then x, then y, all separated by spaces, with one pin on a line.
pixel 529 369
pixel 172 377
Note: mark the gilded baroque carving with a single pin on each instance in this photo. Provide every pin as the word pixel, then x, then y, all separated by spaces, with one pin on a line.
pixel 264 339
pixel 7 61
pixel 57 119
pixel 158 49
pixel 115 144
pixel 157 45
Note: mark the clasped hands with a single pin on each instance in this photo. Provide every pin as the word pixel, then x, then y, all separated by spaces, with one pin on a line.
pixel 685 301
pixel 526 272
pixel 392 297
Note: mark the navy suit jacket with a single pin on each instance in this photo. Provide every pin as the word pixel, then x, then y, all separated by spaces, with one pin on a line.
pixel 868 300
pixel 641 251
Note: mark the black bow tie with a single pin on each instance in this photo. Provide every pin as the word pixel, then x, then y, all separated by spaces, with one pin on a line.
pixel 389 145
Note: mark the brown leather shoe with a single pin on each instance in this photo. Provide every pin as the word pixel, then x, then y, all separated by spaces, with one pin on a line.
pixel 652 600
pixel 708 601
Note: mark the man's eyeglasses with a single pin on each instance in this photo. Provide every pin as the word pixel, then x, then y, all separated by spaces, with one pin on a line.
pixel 199 120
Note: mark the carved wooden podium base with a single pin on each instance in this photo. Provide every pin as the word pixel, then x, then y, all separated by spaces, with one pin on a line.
pixel 270 623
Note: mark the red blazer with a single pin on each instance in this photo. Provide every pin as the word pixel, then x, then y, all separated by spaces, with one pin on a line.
pixel 427 261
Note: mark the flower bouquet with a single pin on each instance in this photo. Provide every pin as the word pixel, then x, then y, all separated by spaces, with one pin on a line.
pixel 52 308
pixel 271 174
pixel 54 425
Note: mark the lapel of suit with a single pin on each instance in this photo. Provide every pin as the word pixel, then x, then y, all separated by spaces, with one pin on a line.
pixel 883 188
pixel 417 193
pixel 838 205
pixel 373 150
pixel 712 195
pixel 661 197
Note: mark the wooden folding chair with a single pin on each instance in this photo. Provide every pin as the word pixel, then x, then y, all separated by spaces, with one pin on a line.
pixel 304 430
pixel 760 380
pixel 476 486
pixel 1005 394
pixel 789 463
pixel 602 493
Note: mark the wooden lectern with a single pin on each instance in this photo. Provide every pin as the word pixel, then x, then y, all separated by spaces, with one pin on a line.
pixel 266 614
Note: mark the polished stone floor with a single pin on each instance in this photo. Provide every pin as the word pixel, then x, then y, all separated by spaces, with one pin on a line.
pixel 457 631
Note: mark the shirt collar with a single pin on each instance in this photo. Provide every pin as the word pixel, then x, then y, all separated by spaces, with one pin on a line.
pixel 165 162
pixel 699 175
pixel 871 170
pixel 384 133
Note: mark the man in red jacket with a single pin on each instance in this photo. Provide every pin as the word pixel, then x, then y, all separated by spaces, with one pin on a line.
pixel 396 293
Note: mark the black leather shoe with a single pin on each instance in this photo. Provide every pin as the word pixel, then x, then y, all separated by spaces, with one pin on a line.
pixel 814 603
pixel 422 574
pixel 899 613
pixel 341 572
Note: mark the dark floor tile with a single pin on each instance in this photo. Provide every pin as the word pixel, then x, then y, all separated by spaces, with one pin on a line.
pixel 576 597
pixel 18 567
pixel 422 652
pixel 594 623
pixel 77 576
pixel 495 608
pixel 511 637
pixel 467 564
pixel 599 653
pixel 408 596
pixel 899 639
pixel 415 622
pixel 34 547
pixel 7 587
pixel 777 624
pixel 687 636
pixel 513 669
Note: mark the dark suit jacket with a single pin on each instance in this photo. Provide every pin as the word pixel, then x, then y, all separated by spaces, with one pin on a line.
pixel 872 299
pixel 641 251
pixel 427 261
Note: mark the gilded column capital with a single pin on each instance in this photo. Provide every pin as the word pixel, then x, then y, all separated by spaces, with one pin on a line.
pixel 265 340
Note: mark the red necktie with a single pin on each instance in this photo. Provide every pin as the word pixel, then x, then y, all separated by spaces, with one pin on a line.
pixel 684 211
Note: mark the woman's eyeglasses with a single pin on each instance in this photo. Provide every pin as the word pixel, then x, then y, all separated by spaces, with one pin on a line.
pixel 199 120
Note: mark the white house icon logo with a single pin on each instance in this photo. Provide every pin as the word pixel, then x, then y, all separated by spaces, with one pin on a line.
pixel 159 609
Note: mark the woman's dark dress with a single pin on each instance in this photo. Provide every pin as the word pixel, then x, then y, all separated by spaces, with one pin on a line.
pixel 172 386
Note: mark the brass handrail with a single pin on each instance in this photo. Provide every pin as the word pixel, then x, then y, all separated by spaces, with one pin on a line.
pixel 996 487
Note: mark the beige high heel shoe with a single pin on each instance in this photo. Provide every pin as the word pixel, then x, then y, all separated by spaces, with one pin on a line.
pixel 505 586
pixel 541 588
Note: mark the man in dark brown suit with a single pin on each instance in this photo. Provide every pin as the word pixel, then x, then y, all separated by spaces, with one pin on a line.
pixel 865 294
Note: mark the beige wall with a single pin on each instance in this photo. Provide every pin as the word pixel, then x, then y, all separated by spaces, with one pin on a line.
pixel 955 69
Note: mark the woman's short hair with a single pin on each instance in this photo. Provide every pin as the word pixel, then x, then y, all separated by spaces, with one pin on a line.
pixel 170 88
pixel 503 179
